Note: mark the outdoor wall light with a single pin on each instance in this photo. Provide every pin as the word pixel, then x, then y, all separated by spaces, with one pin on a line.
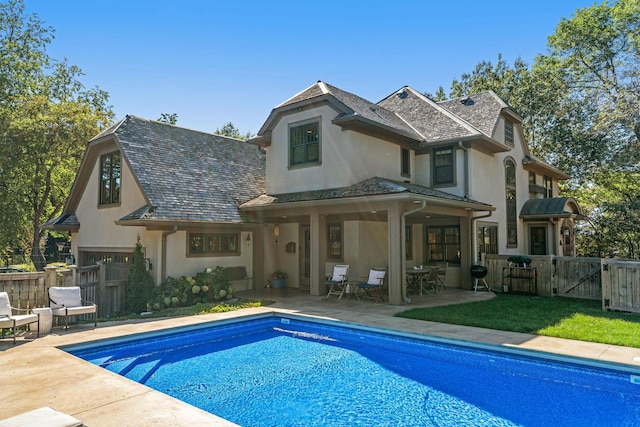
pixel 276 230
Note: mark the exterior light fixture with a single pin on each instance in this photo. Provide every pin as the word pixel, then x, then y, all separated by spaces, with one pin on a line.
pixel 276 230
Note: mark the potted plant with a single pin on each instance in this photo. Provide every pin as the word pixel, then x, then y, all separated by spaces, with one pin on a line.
pixel 278 279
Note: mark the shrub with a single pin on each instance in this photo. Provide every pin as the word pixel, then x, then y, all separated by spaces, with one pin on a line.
pixel 140 284
pixel 207 286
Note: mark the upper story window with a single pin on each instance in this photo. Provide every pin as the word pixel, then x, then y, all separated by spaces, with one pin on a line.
pixel 508 132
pixel 110 171
pixel 304 143
pixel 512 207
pixel 548 186
pixel 443 165
pixel 405 167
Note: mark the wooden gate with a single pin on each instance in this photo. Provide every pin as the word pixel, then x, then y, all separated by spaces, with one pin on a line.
pixel 620 285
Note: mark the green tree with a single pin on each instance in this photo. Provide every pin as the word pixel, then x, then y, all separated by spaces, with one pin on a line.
pixel 228 129
pixel 46 118
pixel 172 118
pixel 140 284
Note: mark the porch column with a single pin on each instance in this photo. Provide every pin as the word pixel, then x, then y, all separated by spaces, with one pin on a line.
pixel 316 260
pixel 394 240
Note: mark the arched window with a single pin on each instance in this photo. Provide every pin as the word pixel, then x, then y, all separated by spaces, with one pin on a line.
pixel 512 209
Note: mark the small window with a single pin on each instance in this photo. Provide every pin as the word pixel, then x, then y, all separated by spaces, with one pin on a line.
pixel 110 170
pixel 335 241
pixel 406 165
pixel 208 244
pixel 443 171
pixel 304 144
pixel 508 132
pixel 548 187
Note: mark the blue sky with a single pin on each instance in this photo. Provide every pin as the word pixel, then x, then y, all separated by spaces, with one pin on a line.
pixel 212 62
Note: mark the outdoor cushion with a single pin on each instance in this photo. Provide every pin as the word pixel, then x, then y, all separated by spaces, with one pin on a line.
pixel 73 311
pixel 65 296
pixel 5 304
pixel 44 416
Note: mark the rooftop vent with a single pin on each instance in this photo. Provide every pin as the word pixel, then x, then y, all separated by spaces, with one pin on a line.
pixel 402 94
pixel 467 101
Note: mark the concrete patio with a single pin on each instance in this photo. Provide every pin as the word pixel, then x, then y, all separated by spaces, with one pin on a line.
pixel 35 373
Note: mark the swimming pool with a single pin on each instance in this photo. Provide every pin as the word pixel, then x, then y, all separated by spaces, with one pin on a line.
pixel 293 371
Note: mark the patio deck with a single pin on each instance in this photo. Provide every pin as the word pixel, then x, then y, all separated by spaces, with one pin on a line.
pixel 36 374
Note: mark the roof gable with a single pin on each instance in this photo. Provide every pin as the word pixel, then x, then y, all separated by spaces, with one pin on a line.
pixel 352 110
pixel 184 175
pixel 191 175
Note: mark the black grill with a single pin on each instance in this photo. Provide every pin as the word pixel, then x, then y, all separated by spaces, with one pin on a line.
pixel 478 271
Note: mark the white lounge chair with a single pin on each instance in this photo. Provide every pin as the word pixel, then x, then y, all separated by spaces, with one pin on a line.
pixel 8 320
pixel 338 280
pixel 66 301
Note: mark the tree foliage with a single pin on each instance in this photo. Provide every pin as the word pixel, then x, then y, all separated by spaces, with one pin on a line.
pixel 46 118
pixel 171 118
pixel 228 129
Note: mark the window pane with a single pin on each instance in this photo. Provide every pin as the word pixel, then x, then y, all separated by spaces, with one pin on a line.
pixel 304 143
pixel 443 166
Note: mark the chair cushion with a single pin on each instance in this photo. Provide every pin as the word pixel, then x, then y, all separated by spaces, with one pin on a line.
pixel 340 273
pixel 65 296
pixel 376 277
pixel 73 311
pixel 5 304
pixel 20 319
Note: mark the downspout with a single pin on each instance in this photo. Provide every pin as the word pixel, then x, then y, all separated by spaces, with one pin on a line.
pixel 466 169
pixel 403 264
pixel 163 269
pixel 474 242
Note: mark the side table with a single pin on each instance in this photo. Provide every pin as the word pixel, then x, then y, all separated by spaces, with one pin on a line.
pixel 45 321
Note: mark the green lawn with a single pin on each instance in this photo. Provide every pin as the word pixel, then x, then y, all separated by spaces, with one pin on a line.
pixel 555 317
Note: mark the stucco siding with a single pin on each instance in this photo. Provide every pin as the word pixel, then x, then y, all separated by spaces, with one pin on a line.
pixel 97 223
pixel 346 157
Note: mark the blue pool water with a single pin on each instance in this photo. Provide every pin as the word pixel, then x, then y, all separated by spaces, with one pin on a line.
pixel 275 371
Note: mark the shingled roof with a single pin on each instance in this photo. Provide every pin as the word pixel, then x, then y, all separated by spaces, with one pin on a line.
pixel 189 175
pixel 355 108
pixel 375 186
pixel 481 110
pixel 432 121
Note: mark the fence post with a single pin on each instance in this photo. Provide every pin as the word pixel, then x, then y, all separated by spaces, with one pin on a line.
pixel 74 275
pixel 101 294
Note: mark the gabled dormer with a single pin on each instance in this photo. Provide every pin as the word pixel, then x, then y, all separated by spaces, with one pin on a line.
pixel 324 137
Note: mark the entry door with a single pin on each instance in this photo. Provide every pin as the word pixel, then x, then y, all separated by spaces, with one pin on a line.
pixel 538 239
pixel 305 256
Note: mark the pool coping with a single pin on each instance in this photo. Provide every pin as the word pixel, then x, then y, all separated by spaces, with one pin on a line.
pixel 42 374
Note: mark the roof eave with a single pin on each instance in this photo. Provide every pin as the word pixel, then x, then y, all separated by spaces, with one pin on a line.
pixel 402 197
pixel 357 122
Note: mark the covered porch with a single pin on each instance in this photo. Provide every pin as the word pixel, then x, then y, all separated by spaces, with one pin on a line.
pixel 375 224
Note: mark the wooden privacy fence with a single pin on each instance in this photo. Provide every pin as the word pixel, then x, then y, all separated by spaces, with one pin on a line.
pixel 29 290
pixel 575 277
pixel 621 284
